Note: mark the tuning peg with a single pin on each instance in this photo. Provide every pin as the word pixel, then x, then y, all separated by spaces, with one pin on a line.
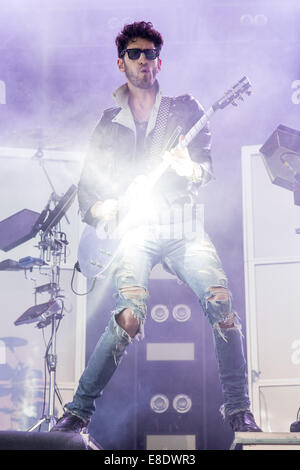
pixel 241 98
pixel 234 103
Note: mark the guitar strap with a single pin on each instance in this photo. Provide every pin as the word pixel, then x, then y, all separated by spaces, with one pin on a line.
pixel 160 128
pixel 159 134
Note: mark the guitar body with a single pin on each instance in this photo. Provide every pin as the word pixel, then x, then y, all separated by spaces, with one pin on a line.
pixel 96 251
pixel 98 245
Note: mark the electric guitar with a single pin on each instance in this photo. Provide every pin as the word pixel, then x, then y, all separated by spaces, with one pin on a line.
pixel 98 246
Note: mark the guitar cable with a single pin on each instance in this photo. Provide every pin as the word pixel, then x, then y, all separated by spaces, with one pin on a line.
pixel 77 268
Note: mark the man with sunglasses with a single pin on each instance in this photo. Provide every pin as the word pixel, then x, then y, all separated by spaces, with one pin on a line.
pixel 119 150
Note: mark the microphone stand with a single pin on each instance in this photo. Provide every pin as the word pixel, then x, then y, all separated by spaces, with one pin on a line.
pixel 52 248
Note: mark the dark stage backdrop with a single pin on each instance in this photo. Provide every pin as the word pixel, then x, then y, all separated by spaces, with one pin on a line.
pixel 186 370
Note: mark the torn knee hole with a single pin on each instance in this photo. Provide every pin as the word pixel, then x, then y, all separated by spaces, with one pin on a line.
pixel 133 292
pixel 219 294
pixel 228 322
pixel 128 322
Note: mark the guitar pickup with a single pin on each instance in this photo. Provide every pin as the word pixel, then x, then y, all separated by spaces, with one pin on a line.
pixel 105 252
pixel 94 263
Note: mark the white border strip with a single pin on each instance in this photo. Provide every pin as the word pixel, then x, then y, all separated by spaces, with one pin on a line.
pixel 249 271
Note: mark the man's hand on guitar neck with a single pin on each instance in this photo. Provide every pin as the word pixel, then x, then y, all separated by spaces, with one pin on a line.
pixel 105 210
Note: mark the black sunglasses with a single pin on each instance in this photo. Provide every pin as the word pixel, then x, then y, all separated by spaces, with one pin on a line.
pixel 135 54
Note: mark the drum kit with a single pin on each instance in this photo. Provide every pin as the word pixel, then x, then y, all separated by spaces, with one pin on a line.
pixel 26 225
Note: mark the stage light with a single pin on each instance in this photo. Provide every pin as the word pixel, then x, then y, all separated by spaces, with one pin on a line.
pixel 182 312
pixel 246 20
pixel 254 20
pixel 171 442
pixel 159 313
pixel 260 20
pixel 170 352
pixel 182 403
pixel 159 403
pixel 281 156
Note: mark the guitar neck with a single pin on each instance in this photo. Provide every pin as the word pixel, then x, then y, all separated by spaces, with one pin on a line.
pixel 230 97
pixel 163 166
pixel 196 128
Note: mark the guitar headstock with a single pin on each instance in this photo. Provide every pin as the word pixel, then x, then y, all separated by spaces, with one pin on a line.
pixel 242 87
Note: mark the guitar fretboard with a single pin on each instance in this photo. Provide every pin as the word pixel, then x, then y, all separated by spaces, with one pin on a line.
pixel 196 128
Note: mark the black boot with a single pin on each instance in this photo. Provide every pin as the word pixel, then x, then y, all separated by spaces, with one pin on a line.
pixel 243 421
pixel 69 423
pixel 295 427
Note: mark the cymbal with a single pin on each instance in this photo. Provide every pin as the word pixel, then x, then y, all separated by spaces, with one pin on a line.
pixel 13 342
pixel 45 139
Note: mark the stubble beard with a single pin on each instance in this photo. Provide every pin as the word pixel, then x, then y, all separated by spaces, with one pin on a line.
pixel 143 81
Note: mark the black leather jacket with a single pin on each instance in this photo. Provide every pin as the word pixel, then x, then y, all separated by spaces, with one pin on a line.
pixel 111 162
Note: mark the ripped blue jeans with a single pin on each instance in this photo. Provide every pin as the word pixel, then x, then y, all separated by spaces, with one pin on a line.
pixel 193 260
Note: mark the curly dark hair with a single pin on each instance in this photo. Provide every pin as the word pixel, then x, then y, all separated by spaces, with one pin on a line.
pixel 140 29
